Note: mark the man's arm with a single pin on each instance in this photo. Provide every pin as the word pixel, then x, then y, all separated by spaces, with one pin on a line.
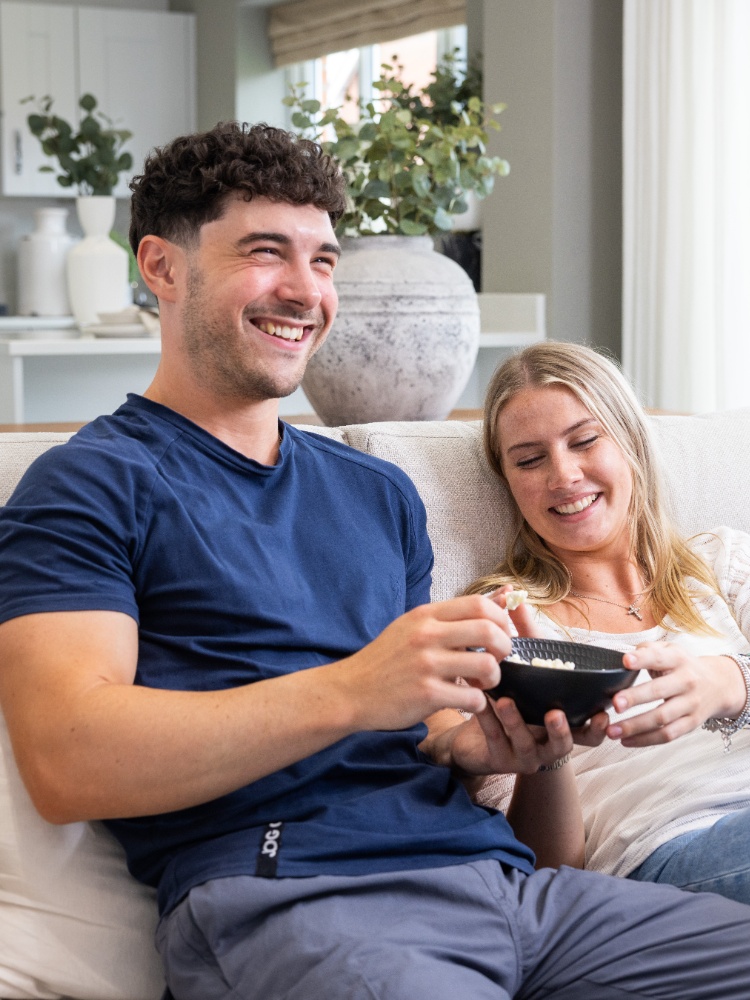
pixel 90 744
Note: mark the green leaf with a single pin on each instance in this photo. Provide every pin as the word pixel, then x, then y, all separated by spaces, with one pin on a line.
pixel 330 116
pixel 368 132
pixel 36 123
pixel 90 128
pixel 302 121
pixel 376 189
pixel 420 182
pixel 410 228
pixel 87 102
pixel 312 107
pixel 442 219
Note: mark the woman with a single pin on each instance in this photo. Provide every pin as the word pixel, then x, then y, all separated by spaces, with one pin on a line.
pixel 602 564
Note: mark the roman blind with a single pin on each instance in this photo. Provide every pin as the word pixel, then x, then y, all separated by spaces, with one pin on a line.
pixel 307 29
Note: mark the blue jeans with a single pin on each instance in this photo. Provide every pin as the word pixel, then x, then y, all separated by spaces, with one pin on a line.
pixel 712 860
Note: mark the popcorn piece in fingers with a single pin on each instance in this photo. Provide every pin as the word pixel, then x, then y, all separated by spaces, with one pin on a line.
pixel 515 597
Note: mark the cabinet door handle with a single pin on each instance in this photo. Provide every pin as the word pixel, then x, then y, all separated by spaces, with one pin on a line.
pixel 18 165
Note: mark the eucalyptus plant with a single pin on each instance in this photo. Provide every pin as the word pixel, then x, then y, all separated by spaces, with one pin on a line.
pixel 90 158
pixel 413 156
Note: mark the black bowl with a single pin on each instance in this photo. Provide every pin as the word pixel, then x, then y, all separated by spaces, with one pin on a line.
pixel 580 693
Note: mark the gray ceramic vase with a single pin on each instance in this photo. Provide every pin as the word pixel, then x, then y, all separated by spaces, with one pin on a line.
pixel 405 339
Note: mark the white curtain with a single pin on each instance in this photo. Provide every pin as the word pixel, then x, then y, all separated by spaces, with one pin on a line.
pixel 686 202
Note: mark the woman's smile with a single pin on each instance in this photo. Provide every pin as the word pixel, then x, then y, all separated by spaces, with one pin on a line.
pixel 571 482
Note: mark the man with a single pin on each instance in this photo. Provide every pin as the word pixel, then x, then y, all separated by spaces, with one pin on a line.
pixel 216 637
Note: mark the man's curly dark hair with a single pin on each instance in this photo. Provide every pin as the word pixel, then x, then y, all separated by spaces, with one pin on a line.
pixel 187 182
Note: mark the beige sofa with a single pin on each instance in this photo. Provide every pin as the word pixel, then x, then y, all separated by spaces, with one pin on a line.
pixel 72 922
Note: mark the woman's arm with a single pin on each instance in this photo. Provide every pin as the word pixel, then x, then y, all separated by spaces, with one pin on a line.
pixel 545 812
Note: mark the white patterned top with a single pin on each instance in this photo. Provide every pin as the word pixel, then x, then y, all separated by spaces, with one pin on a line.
pixel 636 799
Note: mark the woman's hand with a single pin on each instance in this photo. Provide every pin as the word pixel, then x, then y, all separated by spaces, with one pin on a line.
pixel 690 690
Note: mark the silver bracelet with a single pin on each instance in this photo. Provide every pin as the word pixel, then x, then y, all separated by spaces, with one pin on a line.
pixel 728 727
pixel 555 765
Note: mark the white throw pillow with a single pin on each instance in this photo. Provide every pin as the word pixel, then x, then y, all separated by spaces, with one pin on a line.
pixel 73 921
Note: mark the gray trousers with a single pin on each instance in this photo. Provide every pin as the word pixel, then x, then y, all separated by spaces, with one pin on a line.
pixel 469 932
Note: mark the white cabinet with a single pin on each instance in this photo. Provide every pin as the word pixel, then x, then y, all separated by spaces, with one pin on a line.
pixel 36 43
pixel 139 65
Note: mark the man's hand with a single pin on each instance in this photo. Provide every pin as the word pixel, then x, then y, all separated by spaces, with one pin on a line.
pixel 409 672
pixel 496 740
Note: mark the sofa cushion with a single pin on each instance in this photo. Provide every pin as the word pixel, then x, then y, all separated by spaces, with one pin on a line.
pixel 467 507
pixel 73 922
pixel 706 463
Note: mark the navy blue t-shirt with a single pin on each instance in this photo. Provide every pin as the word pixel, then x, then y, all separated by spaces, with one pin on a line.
pixel 234 572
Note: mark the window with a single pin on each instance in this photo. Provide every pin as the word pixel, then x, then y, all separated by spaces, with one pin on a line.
pixel 345 78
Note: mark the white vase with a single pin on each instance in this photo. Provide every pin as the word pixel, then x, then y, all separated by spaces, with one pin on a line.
pixel 405 339
pixel 97 266
pixel 42 257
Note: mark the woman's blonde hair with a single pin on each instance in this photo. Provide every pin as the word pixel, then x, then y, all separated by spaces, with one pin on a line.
pixel 664 559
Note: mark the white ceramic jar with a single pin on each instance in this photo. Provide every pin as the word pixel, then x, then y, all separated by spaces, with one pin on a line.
pixel 42 258
pixel 97 266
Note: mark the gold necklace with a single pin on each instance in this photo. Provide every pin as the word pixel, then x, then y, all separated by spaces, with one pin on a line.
pixel 633 609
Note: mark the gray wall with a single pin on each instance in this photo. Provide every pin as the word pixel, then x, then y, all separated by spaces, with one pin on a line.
pixel 554 225
pixel 236 77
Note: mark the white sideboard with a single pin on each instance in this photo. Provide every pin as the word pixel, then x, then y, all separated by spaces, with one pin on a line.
pixel 49 374
pixel 71 379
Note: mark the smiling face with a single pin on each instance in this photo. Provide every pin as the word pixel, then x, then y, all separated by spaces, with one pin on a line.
pixel 259 297
pixel 570 480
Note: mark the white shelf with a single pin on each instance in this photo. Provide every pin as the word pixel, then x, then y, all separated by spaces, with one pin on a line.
pixel 512 313
pixel 72 379
pixel 20 324
pixel 79 346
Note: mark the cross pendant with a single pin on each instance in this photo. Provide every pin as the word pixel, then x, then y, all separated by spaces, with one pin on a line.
pixel 633 610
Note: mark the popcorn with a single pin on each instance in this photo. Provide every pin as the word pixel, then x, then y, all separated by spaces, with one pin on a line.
pixel 538 661
pixel 515 597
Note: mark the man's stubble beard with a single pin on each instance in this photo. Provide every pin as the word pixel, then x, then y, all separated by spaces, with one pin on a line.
pixel 218 358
